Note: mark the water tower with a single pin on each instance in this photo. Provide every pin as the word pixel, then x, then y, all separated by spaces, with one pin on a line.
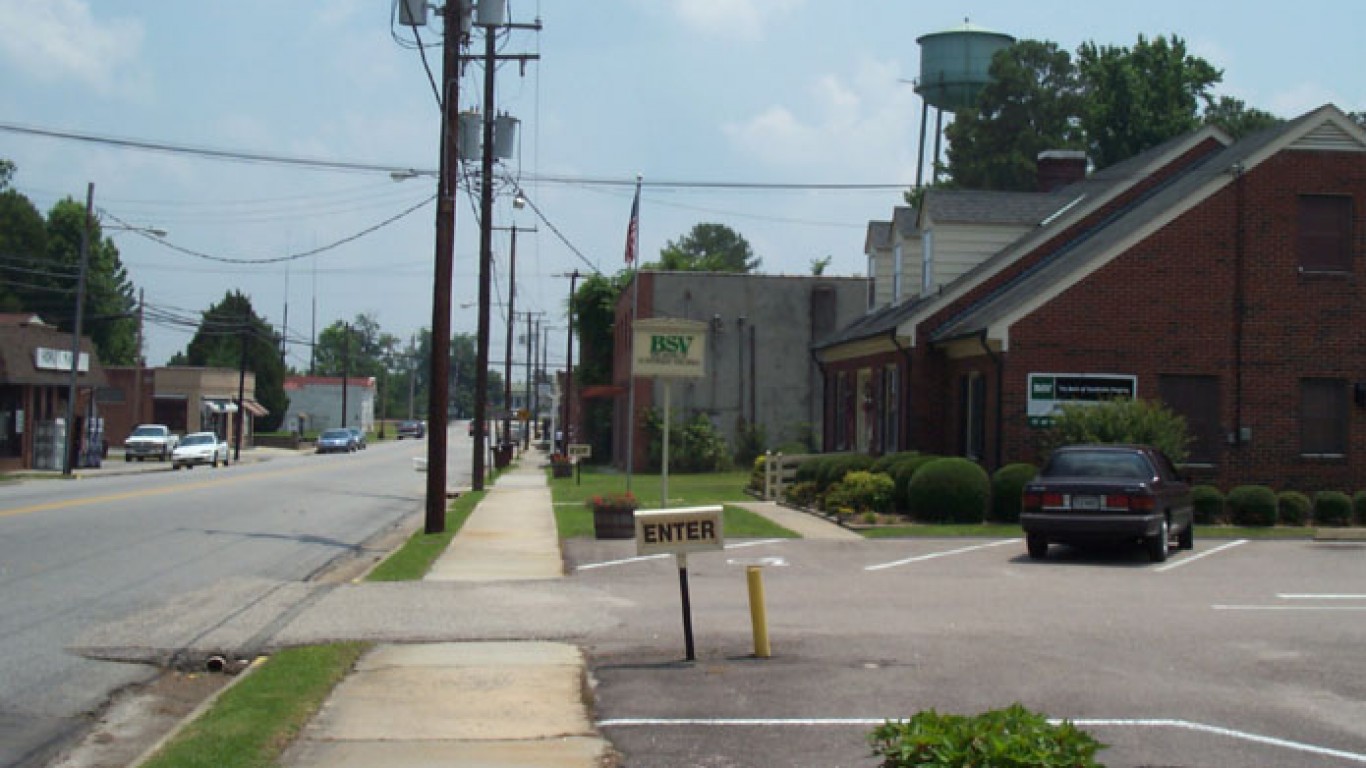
pixel 954 68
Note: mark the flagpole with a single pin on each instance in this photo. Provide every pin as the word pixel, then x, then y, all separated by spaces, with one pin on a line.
pixel 633 237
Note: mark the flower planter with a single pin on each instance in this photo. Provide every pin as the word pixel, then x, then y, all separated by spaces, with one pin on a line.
pixel 562 469
pixel 614 522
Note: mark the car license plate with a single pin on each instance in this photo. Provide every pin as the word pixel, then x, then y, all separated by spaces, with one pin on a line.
pixel 1086 502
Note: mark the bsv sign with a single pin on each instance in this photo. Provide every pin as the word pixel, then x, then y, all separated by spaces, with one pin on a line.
pixel 669 347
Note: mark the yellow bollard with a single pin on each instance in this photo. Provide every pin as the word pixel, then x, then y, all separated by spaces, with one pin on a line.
pixel 758 614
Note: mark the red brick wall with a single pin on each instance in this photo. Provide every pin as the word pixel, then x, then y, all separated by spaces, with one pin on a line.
pixel 1167 307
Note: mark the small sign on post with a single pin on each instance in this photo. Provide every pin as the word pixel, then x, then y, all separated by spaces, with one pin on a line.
pixel 678 532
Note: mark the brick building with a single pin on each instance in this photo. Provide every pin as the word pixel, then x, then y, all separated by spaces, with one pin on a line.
pixel 1223 278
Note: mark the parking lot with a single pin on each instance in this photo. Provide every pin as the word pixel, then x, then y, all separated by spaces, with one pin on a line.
pixel 1234 653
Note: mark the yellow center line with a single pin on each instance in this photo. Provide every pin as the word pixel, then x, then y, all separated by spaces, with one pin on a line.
pixel 144 493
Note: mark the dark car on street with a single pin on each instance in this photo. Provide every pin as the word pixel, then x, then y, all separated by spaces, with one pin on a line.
pixel 411 428
pixel 1094 494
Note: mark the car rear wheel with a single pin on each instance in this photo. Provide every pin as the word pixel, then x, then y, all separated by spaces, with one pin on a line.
pixel 214 463
pixel 1037 546
pixel 1186 538
pixel 1157 545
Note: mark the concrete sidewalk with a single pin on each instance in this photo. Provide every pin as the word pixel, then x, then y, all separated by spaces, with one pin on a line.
pixel 466 704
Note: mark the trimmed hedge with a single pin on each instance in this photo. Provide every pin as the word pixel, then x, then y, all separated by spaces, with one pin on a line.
pixel 950 490
pixel 1292 508
pixel 827 469
pixel 860 492
pixel 1332 508
pixel 1007 491
pixel 1208 503
pixel 902 472
pixel 1252 506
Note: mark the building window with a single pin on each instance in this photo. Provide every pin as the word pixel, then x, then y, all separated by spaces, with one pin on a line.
pixel 927 263
pixel 973 398
pixel 891 387
pixel 896 274
pixel 1196 398
pixel 1325 233
pixel 872 281
pixel 1323 417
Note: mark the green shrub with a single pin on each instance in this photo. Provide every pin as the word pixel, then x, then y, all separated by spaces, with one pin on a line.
pixel 694 445
pixel 888 461
pixel 1012 737
pixel 1292 508
pixel 803 494
pixel 902 472
pixel 1252 505
pixel 756 475
pixel 1146 422
pixel 1007 491
pixel 950 490
pixel 1208 502
pixel 750 440
pixel 1359 504
pixel 1332 508
pixel 861 492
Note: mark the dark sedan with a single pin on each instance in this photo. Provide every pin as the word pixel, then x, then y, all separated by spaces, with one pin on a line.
pixel 336 440
pixel 413 429
pixel 1089 494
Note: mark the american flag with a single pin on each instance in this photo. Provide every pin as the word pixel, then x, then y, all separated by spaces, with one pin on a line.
pixel 633 228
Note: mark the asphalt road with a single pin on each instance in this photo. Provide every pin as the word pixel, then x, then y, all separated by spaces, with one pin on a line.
pixel 1244 653
pixel 75 555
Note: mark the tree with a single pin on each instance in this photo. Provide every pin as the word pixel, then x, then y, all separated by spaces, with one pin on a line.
pixel 23 242
pixel 1237 119
pixel 1139 97
pixel 818 266
pixel 594 311
pixel 108 317
pixel 1031 105
pixel 218 344
pixel 708 248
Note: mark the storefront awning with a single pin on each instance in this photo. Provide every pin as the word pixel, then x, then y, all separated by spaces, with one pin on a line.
pixel 254 408
pixel 219 406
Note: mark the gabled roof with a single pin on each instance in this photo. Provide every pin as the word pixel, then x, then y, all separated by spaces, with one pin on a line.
pixel 991 207
pixel 879 237
pixel 1325 127
pixel 906 221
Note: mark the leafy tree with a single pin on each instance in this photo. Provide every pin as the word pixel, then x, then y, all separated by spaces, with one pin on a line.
pixel 108 314
pixel 708 248
pixel 818 266
pixel 1236 118
pixel 1031 105
pixel 7 169
pixel 1358 117
pixel 1138 97
pixel 594 308
pixel 23 243
pixel 218 344
pixel 1146 422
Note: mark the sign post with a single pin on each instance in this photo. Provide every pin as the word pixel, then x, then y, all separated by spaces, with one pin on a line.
pixel 678 532
pixel 668 348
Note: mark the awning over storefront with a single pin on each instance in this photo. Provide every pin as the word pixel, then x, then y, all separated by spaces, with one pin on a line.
pixel 254 408
pixel 215 405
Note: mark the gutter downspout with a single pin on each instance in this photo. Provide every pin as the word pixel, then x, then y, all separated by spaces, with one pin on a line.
pixel 825 396
pixel 903 414
pixel 1000 393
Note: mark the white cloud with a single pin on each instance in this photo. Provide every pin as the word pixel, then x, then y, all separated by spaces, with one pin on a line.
pixel 860 128
pixel 736 19
pixel 60 39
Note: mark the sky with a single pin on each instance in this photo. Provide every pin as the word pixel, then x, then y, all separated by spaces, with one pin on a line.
pixel 748 113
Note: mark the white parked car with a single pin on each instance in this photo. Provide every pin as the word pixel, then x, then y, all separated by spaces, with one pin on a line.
pixel 200 448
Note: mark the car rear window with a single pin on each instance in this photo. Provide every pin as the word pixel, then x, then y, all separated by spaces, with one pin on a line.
pixel 1099 464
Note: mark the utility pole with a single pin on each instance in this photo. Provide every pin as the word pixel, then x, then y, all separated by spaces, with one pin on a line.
pixel 511 326
pixel 141 365
pixel 241 391
pixel 526 428
pixel 438 395
pixel 569 363
pixel 76 330
pixel 346 367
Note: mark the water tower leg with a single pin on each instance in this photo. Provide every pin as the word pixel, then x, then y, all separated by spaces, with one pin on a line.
pixel 920 153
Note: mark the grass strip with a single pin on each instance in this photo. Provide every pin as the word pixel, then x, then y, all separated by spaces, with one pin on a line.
pixel 412 561
pixel 251 724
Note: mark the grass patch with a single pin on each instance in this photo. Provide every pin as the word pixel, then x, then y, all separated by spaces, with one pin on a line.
pixel 574 519
pixel 252 723
pixel 412 561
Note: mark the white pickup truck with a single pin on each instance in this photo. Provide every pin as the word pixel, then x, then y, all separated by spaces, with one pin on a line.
pixel 150 440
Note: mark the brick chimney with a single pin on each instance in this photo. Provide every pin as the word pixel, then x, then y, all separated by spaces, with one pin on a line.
pixel 1059 167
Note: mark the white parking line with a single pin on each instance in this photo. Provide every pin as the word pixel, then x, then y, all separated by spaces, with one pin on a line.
pixel 1193 558
pixel 1289 607
pixel 933 555
pixel 629 560
pixel 1256 738
pixel 1322 597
